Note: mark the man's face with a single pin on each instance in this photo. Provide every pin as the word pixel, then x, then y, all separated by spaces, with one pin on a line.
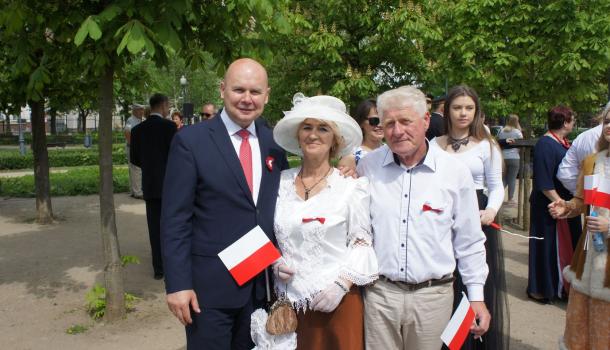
pixel 208 111
pixel 138 113
pixel 245 93
pixel 405 130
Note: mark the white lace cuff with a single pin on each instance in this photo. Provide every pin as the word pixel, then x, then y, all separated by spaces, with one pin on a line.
pixel 360 265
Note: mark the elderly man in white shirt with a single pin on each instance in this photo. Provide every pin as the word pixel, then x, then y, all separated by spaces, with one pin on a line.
pixel 425 217
pixel 135 173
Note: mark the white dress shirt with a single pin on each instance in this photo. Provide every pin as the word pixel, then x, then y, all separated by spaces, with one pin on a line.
pixel 413 244
pixel 485 164
pixel 583 145
pixel 233 128
pixel 321 252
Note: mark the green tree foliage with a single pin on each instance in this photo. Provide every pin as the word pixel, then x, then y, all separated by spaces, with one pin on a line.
pixel 523 56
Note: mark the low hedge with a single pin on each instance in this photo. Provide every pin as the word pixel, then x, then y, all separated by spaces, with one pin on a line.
pixel 69 139
pixel 10 160
pixel 74 182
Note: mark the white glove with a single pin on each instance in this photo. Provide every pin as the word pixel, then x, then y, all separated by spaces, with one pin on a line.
pixel 328 299
pixel 281 270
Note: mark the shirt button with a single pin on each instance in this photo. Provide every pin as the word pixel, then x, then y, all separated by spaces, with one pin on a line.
pixel 402 245
pixel 406 195
pixel 408 171
pixel 401 269
pixel 404 221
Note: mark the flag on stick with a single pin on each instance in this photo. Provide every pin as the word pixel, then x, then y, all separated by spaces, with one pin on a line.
pixel 601 197
pixel 590 186
pixel 249 255
pixel 458 328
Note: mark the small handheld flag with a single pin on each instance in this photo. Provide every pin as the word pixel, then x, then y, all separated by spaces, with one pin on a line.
pixel 249 255
pixel 458 328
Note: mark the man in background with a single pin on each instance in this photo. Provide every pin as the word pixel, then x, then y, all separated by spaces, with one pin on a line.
pixel 437 123
pixel 135 173
pixel 208 111
pixel 150 141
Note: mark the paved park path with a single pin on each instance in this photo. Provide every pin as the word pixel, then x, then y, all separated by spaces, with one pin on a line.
pixel 45 272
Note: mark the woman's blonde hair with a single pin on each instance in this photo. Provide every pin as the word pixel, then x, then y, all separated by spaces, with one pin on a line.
pixel 512 123
pixel 602 143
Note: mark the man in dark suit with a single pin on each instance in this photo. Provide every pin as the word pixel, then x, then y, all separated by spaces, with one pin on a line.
pixel 222 181
pixel 437 122
pixel 150 141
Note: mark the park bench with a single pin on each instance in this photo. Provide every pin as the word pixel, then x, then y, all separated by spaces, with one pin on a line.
pixel 56 144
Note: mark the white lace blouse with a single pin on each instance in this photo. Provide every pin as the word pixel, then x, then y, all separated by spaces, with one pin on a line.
pixel 325 237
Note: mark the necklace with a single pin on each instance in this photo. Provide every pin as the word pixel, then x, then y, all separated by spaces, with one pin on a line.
pixel 565 143
pixel 457 143
pixel 307 190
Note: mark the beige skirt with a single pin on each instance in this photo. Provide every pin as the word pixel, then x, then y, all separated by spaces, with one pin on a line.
pixel 340 329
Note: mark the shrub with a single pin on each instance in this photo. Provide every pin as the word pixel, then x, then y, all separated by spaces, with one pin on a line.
pixel 11 159
pixel 74 182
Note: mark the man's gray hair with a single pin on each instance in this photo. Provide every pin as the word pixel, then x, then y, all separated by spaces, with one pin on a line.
pixel 400 98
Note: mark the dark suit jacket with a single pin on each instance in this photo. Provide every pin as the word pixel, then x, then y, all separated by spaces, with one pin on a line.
pixel 436 127
pixel 207 206
pixel 150 141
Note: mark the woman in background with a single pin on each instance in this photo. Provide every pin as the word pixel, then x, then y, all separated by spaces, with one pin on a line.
pixel 510 133
pixel 548 256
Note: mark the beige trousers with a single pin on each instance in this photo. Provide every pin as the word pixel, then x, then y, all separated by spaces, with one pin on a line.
pixel 399 319
pixel 135 177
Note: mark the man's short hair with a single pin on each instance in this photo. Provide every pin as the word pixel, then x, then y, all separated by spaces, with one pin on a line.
pixel 438 101
pixel 400 98
pixel 157 100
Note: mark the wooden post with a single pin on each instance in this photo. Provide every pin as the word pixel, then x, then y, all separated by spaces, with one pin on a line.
pixel 526 189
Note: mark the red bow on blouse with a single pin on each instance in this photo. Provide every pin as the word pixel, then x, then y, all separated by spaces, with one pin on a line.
pixel 426 207
pixel 321 220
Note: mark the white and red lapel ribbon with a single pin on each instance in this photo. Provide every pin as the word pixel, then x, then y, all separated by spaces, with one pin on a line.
pixel 427 207
pixel 321 220
pixel 458 328
pixel 249 255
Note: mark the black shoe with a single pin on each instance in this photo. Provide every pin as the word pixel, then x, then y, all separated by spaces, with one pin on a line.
pixel 158 275
pixel 539 299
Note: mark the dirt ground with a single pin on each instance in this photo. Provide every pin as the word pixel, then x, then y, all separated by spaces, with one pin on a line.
pixel 45 272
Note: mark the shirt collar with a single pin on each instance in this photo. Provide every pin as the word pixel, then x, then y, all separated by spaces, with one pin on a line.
pixel 157 114
pixel 429 159
pixel 233 127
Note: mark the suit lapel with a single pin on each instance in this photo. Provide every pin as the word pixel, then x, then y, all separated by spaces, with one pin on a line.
pixel 220 136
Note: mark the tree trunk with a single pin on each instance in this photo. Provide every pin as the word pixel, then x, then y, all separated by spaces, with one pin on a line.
pixel 7 124
pixel 53 114
pixel 41 164
pixel 115 292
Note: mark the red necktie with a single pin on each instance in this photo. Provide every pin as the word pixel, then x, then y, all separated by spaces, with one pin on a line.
pixel 245 156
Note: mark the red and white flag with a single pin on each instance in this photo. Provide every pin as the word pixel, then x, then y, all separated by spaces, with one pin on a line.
pixel 601 198
pixel 590 186
pixel 459 325
pixel 249 255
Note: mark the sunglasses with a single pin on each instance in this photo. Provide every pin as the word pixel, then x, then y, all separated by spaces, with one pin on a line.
pixel 374 121
pixel 206 115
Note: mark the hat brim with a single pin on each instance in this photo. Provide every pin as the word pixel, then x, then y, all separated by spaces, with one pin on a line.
pixel 285 132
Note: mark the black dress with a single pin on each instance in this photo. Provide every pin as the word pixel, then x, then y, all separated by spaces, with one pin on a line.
pixel 544 277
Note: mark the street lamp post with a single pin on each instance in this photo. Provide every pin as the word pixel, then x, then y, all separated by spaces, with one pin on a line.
pixel 187 107
pixel 21 138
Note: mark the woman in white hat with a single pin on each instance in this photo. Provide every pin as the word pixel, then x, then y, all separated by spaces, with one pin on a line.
pixel 323 227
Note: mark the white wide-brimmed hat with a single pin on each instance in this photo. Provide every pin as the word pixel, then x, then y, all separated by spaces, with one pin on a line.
pixel 327 108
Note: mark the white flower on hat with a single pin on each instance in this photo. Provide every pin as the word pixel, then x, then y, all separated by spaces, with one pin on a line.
pixel 327 108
